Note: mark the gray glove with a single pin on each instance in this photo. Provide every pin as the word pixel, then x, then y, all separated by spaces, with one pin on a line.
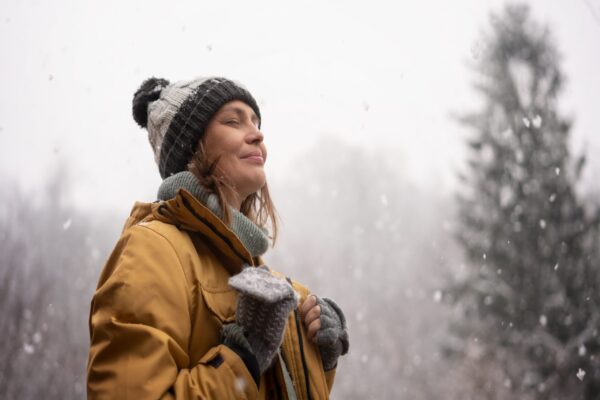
pixel 332 337
pixel 264 303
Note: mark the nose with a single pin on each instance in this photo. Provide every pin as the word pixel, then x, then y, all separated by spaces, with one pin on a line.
pixel 255 137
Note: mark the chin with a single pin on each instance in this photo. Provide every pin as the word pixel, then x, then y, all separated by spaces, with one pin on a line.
pixel 259 188
pixel 260 181
pixel 255 185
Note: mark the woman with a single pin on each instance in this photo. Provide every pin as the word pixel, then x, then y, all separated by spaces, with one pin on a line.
pixel 184 307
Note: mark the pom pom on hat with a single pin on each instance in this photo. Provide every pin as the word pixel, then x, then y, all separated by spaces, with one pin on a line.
pixel 149 91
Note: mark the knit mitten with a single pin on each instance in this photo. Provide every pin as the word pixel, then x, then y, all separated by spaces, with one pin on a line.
pixel 264 303
pixel 332 337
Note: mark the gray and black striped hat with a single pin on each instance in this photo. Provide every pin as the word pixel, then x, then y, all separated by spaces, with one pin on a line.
pixel 175 115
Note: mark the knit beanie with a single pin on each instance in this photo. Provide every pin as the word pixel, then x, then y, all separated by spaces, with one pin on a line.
pixel 176 115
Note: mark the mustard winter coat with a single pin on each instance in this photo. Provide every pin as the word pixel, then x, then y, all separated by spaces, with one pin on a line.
pixel 161 300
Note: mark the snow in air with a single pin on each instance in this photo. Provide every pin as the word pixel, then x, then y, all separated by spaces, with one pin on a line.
pixel 384 200
pixel 67 224
pixel 240 384
pixel 28 348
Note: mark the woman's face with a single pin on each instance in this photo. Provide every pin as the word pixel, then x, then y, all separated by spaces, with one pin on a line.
pixel 232 134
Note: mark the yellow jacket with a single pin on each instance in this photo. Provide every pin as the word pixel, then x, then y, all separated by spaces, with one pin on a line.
pixel 161 300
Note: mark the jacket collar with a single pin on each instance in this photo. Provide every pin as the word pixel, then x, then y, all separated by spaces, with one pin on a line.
pixel 254 238
pixel 186 212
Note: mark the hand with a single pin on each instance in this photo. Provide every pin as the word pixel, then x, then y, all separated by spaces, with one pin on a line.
pixel 326 326
pixel 311 316
pixel 263 306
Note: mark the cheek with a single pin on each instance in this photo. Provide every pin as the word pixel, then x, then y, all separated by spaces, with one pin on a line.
pixel 229 165
pixel 220 142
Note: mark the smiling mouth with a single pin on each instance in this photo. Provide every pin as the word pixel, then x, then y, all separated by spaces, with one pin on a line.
pixel 255 159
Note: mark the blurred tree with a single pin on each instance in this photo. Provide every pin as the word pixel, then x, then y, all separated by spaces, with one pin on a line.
pixel 531 294
pixel 50 256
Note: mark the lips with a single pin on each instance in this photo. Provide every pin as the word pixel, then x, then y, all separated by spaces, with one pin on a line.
pixel 254 156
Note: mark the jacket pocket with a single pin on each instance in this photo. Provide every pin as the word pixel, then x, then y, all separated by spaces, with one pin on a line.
pixel 221 302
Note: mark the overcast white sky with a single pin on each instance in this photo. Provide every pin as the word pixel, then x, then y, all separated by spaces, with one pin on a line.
pixel 383 75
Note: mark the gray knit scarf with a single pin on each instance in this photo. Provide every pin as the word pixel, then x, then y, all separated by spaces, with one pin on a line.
pixel 253 237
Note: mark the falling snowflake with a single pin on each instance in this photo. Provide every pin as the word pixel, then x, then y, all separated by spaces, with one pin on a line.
pixel 543 320
pixel 67 224
pixel 557 171
pixel 552 197
pixel 580 374
pixel 537 121
pixel 556 267
pixel 240 384
pixel 542 223
pixel 437 296
pixel 542 387
pixel 360 316
pixel 507 133
pixel 526 122
pixel 28 348
pixel 582 351
pixel 568 320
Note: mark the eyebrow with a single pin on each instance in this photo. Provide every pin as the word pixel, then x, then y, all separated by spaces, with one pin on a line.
pixel 240 112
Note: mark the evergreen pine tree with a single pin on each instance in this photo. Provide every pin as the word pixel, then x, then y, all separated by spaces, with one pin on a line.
pixel 531 294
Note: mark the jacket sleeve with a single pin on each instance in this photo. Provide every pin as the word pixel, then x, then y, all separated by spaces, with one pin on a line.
pixel 140 324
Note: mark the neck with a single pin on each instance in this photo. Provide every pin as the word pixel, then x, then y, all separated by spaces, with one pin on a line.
pixel 232 198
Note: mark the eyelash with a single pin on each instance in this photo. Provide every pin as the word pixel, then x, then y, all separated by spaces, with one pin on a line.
pixel 237 122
